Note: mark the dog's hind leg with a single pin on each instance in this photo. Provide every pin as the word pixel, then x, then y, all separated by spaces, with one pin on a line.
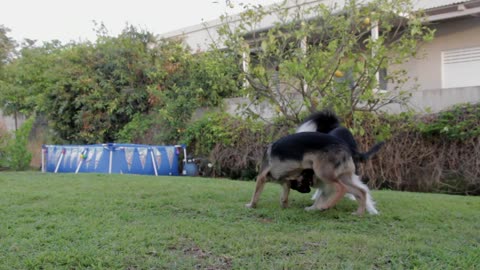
pixel 357 191
pixel 260 184
pixel 285 192
pixel 369 203
pixel 362 193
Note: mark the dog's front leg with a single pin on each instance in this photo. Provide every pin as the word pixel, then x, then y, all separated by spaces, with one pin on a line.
pixel 286 191
pixel 340 190
pixel 328 196
pixel 260 184
pixel 320 198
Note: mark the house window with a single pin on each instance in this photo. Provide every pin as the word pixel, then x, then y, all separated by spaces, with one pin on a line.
pixel 460 68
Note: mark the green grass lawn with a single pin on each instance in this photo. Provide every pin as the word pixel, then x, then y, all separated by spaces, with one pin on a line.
pixel 67 221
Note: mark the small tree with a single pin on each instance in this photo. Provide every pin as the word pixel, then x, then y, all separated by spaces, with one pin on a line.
pixel 26 78
pixel 7 45
pixel 314 56
pixel 8 96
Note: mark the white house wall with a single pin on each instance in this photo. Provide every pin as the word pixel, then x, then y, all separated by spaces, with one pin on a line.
pixel 8 122
pixel 458 34
pixel 426 70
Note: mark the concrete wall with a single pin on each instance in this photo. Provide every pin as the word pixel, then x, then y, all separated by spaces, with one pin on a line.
pixel 439 99
pixel 233 106
pixel 198 37
pixel 452 34
pixel 8 122
pixel 432 100
pixel 426 70
pixel 435 100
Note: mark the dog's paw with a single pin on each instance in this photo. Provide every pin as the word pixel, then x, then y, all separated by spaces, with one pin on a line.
pixel 250 205
pixel 310 208
pixel 314 208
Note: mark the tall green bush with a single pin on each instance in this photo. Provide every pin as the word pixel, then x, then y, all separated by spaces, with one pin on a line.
pixel 212 129
pixel 15 155
pixel 135 130
pixel 193 81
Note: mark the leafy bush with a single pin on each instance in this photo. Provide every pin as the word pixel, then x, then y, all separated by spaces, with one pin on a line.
pixel 459 123
pixel 204 134
pixel 201 80
pixel 5 137
pixel 91 91
pixel 136 129
pixel 233 145
pixel 14 153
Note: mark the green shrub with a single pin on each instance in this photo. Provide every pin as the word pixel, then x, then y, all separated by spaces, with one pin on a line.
pixel 459 123
pixel 5 138
pixel 135 130
pixel 15 155
pixel 212 129
pixel 233 145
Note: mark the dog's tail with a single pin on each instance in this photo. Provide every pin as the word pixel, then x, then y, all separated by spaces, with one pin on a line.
pixel 323 121
pixel 362 157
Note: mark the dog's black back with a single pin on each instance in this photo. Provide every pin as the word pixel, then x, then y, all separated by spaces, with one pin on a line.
pixel 345 135
pixel 326 121
pixel 295 146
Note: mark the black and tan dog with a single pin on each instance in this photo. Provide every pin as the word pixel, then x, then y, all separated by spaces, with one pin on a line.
pixel 326 121
pixel 329 158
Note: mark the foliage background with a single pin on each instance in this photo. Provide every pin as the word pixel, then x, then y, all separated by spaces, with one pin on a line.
pixel 103 91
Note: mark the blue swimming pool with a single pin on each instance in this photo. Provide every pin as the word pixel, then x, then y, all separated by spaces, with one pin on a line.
pixel 113 158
